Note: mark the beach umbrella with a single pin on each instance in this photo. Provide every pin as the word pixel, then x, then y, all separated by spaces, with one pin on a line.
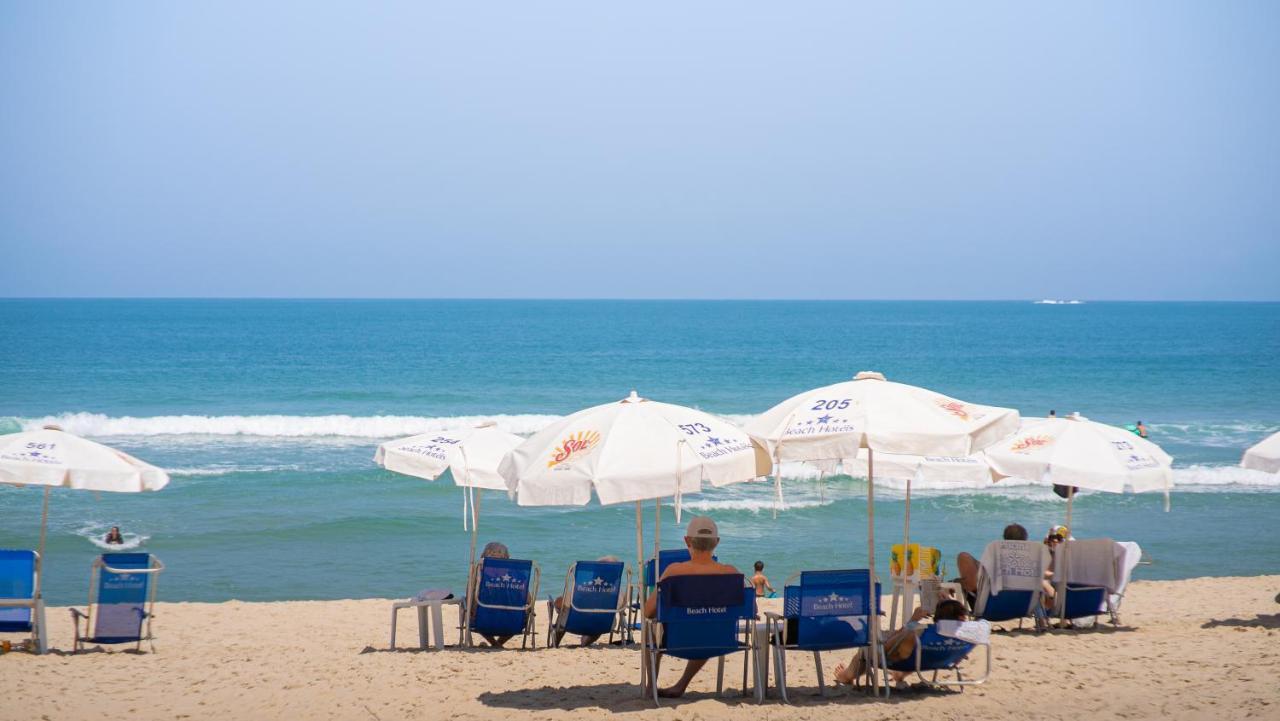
pixel 1076 452
pixel 472 454
pixel 53 458
pixel 1265 456
pixel 826 425
pixel 631 451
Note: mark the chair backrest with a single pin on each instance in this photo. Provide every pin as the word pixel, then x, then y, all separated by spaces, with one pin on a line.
pixel 502 595
pixel 594 597
pixel 1083 601
pixel 665 558
pixel 832 609
pixel 120 597
pixel 1021 566
pixel 937 652
pixel 17 581
pixel 700 613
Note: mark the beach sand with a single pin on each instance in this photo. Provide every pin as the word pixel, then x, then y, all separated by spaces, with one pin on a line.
pixel 1199 648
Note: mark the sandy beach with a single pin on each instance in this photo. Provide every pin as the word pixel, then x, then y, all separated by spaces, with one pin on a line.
pixel 1199 648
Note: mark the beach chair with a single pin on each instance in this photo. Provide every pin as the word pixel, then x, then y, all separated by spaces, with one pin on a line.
pixel 21 605
pixel 1092 574
pixel 701 617
pixel 593 601
pixel 826 611
pixel 502 599
pixel 941 647
pixel 1010 583
pixel 122 598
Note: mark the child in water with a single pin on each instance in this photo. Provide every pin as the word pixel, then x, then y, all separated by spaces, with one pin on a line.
pixel 760 581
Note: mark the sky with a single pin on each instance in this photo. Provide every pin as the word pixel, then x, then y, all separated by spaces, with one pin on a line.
pixel 653 150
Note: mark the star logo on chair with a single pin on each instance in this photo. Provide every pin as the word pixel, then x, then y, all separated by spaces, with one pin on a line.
pixel 833 597
pixel 597 581
pixel 505 577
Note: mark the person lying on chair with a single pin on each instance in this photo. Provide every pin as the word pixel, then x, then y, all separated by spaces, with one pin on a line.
pixel 701 537
pixel 900 644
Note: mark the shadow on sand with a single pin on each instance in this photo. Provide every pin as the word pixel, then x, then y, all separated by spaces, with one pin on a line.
pixel 1262 620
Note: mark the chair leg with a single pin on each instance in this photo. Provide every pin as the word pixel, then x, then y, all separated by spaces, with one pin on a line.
pixel 817 664
pixel 720 676
pixel 780 666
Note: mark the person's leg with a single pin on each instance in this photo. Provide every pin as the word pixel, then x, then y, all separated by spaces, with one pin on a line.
pixel 676 690
pixel 849 674
pixel 968 567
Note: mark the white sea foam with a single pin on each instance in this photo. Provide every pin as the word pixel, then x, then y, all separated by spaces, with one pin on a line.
pixel 95 532
pixel 279 426
pixel 223 470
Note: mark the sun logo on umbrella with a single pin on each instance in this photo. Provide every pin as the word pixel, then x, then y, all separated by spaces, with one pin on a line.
pixel 576 444
pixel 1026 444
pixel 955 408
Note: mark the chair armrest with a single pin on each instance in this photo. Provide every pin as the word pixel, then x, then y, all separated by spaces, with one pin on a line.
pixel 77 614
pixel 773 616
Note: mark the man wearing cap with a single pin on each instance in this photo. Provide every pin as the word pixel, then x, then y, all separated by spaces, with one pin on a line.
pixel 701 537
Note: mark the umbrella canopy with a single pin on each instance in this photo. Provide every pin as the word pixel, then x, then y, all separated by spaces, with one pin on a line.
pixel 957 471
pixel 631 450
pixel 55 458
pixel 1075 451
pixel 1265 456
pixel 833 422
pixel 472 453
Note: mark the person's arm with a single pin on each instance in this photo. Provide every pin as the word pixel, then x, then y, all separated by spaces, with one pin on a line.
pixel 768 585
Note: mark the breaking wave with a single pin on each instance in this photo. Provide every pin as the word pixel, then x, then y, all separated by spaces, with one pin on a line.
pixel 281 426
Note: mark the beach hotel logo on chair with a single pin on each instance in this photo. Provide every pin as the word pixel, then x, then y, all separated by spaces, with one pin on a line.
pixel 597 585
pixel 575 446
pixel 832 603
pixel 505 582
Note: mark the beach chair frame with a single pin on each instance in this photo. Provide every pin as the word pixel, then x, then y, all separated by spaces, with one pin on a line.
pixel 1033 608
pixel 528 637
pixel 91 614
pixel 556 622
pixel 959 682
pixel 34 602
pixel 653 632
pixel 792 607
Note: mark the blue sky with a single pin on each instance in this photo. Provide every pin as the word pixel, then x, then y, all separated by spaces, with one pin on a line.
pixel 670 150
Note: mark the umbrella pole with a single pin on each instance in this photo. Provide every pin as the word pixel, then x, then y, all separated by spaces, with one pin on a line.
pixel 44 527
pixel 874 661
pixel 471 566
pixel 904 561
pixel 1060 564
pixel 657 532
pixel 640 599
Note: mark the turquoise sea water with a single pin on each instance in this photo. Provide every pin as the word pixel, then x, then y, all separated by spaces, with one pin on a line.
pixel 266 413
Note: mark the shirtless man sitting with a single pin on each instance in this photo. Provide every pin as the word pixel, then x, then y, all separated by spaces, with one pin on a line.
pixel 701 537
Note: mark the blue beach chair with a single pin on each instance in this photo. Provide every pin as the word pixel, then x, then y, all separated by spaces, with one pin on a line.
pixel 1009 604
pixel 501 604
pixel 700 617
pixel 1082 602
pixel 827 611
pixel 938 651
pixel 592 602
pixel 21 607
pixel 122 597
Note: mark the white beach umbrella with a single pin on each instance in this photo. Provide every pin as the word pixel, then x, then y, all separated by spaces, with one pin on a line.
pixel 473 455
pixel 631 451
pixel 1265 456
pixel 53 458
pixel 1079 453
pixel 826 425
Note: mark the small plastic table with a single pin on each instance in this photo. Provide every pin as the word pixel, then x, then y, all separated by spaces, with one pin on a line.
pixel 436 607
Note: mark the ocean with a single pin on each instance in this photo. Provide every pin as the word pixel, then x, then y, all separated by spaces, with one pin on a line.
pixel 266 413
